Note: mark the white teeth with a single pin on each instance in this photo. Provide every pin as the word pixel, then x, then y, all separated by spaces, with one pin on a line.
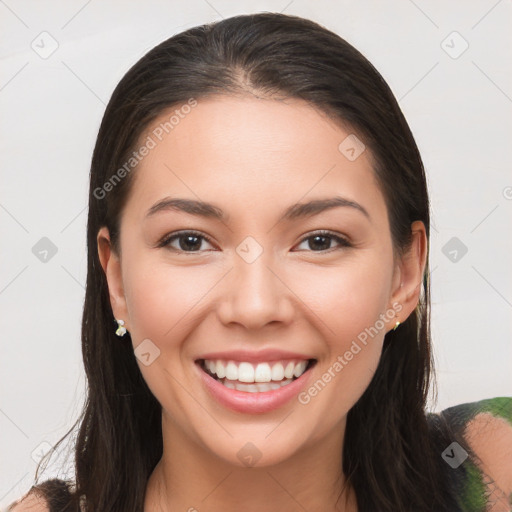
pixel 264 386
pixel 278 371
pixel 299 369
pixel 251 388
pixel 231 371
pixel 288 373
pixel 259 373
pixel 263 373
pixel 259 387
pixel 220 370
pixel 246 372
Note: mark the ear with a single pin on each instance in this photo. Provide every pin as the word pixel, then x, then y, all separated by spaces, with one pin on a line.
pixel 112 267
pixel 408 276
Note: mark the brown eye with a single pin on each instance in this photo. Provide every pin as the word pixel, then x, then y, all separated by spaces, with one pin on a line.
pixel 191 241
pixel 321 241
pixel 188 241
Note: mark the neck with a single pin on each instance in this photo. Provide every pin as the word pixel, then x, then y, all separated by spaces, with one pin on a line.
pixel 190 478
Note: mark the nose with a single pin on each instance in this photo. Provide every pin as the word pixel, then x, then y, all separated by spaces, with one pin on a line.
pixel 256 294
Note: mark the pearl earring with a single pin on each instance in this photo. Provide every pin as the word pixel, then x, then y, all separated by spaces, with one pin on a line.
pixel 396 325
pixel 121 330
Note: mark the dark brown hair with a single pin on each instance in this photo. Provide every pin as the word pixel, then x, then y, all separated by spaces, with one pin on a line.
pixel 390 456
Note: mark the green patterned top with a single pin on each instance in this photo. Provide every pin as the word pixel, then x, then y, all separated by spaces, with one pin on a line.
pixel 472 493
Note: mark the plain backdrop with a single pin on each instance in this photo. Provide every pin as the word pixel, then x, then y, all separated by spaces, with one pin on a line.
pixel 449 65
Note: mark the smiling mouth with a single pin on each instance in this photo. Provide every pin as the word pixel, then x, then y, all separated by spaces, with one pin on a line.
pixel 255 378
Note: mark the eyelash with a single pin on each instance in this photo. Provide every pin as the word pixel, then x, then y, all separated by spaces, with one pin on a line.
pixel 165 242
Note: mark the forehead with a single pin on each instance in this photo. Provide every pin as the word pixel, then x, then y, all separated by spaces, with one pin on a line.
pixel 247 152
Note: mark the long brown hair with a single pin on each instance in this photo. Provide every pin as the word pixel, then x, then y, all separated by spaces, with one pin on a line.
pixel 390 456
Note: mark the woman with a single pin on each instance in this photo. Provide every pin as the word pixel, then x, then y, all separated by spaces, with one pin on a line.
pixel 256 324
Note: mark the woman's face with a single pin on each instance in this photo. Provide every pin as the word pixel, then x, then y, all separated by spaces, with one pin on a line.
pixel 255 286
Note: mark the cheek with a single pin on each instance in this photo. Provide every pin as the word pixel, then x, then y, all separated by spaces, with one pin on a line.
pixel 349 299
pixel 352 305
pixel 162 301
pixel 160 297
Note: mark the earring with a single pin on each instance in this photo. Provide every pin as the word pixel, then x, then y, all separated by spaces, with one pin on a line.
pixel 396 325
pixel 121 330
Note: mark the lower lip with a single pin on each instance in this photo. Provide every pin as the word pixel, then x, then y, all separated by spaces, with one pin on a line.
pixel 253 403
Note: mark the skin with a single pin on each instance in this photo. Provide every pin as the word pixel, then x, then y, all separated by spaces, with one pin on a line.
pixel 30 502
pixel 254 158
pixel 491 439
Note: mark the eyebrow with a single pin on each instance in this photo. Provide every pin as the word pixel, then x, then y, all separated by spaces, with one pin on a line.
pixel 296 211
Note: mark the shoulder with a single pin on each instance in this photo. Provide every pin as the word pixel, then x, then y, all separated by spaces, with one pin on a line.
pixel 52 495
pixel 32 501
pixel 486 426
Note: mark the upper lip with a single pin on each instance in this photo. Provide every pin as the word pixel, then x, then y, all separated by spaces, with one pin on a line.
pixel 249 356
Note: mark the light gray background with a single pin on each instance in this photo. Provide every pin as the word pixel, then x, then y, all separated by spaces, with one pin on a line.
pixel 459 110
